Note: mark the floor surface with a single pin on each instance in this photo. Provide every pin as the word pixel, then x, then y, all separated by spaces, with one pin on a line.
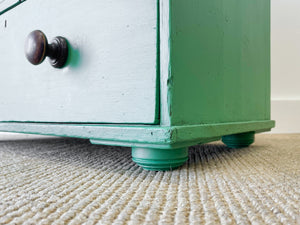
pixel 70 181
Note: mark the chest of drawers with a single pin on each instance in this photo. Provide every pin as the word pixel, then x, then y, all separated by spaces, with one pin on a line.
pixel 154 75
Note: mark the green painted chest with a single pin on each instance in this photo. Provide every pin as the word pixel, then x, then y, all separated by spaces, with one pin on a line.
pixel 157 76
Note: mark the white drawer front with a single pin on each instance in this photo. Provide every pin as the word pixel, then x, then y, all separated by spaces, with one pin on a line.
pixel 111 76
pixel 5 4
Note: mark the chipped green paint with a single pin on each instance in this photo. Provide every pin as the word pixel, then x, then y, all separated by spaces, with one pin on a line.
pixel 154 136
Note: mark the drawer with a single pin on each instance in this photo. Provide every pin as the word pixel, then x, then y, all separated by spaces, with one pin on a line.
pixel 111 73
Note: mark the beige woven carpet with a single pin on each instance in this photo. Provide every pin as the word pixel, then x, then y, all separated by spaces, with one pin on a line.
pixel 70 181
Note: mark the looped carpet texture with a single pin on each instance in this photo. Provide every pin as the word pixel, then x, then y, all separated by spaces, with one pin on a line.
pixel 70 181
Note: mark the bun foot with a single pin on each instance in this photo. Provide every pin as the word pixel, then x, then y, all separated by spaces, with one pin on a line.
pixel 239 140
pixel 159 159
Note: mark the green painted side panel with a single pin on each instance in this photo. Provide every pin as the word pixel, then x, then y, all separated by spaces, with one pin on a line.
pixel 220 61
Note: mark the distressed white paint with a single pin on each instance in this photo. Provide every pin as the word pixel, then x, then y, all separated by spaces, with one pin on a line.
pixel 285 64
pixel 164 60
pixel 4 4
pixel 112 74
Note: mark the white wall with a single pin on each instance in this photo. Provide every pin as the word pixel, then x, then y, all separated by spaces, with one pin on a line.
pixel 285 65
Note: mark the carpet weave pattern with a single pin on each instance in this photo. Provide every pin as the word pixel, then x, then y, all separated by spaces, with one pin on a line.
pixel 70 181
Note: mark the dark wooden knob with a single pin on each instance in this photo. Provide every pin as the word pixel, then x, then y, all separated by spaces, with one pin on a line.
pixel 37 48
